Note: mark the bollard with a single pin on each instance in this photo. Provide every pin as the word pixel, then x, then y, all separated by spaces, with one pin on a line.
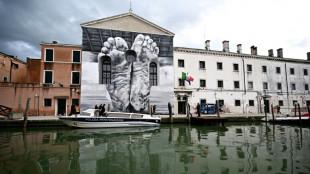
pixel 272 112
pixel 26 112
pixel 170 112
pixel 109 107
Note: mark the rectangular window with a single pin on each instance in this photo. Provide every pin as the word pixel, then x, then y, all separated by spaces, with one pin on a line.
pixel 306 87
pixel 76 56
pixel 278 70
pixel 264 69
pixel 308 102
pixel 202 83
pixel 220 84
pixel 48 76
pixel 75 78
pixel 280 102
pixel 237 103
pixel 14 65
pixel 279 86
pixel 251 102
pixel 236 67
pixel 49 55
pixel 75 101
pixel 305 72
pixel 221 103
pixel 265 85
pixel 293 86
pixel 292 71
pixel 219 65
pixel 181 82
pixel 249 68
pixel 47 102
pixel 236 85
pixel 181 63
pixel 202 65
pixel 250 85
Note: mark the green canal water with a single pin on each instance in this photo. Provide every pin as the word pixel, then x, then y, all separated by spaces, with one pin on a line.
pixel 233 148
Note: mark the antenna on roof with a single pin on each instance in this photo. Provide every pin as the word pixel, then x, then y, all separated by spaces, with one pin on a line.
pixel 130 10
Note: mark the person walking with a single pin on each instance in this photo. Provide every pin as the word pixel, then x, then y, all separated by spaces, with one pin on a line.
pixel 73 110
pixel 154 109
pixel 278 110
pixel 96 106
pixel 198 109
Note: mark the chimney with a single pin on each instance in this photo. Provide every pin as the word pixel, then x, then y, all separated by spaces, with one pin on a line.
pixel 308 55
pixel 270 53
pixel 54 42
pixel 207 45
pixel 253 50
pixel 280 52
pixel 239 48
pixel 226 46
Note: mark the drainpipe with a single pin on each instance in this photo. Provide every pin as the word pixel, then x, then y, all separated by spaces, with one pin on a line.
pixel 244 86
pixel 243 76
pixel 287 93
pixel 11 70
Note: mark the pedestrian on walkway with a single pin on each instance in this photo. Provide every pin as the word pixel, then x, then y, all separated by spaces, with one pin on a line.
pixel 73 110
pixel 198 109
pixel 278 110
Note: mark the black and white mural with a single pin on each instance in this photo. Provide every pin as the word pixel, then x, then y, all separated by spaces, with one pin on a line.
pixel 127 70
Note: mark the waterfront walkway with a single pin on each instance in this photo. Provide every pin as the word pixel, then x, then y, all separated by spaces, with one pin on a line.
pixel 43 121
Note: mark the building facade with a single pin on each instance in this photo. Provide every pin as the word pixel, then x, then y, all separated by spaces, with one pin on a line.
pixel 52 82
pixel 241 83
pixel 127 64
pixel 12 69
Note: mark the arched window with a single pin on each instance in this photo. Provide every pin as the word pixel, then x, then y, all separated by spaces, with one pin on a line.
pixel 106 71
pixel 153 74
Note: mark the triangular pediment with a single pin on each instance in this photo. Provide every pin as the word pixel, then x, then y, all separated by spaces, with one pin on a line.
pixel 128 22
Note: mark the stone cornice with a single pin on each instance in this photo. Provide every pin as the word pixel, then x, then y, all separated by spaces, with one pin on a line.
pixel 230 54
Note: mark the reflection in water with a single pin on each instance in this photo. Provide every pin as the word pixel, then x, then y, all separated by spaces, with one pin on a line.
pixel 169 149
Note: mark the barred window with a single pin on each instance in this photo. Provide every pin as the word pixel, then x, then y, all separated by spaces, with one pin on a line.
pixel 153 74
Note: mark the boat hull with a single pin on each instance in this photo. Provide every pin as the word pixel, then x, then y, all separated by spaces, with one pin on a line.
pixel 101 122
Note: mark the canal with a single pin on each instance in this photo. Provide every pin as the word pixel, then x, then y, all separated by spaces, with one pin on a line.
pixel 233 148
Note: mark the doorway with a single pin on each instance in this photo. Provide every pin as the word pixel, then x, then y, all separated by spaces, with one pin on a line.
pixel 61 106
pixel 181 107
pixel 266 103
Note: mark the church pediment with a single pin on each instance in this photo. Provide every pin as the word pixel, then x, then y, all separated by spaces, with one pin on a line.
pixel 128 22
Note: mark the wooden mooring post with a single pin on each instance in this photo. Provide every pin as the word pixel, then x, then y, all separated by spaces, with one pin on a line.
pixel 272 112
pixel 170 113
pixel 299 113
pixel 217 108
pixel 26 112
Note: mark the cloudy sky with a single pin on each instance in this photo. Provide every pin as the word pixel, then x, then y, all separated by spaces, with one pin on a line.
pixel 267 24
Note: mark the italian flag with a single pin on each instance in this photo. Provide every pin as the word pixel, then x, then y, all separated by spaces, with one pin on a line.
pixel 188 78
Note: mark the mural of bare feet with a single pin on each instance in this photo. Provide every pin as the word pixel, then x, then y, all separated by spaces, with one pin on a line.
pixel 129 89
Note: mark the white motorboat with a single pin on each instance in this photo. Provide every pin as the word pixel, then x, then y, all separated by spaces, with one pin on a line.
pixel 90 119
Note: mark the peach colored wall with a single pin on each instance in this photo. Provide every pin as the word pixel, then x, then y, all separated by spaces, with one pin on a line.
pixel 15 97
pixel 33 70
pixel 62 65
pixel 17 75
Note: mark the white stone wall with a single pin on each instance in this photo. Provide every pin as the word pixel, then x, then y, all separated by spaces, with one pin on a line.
pixel 228 93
